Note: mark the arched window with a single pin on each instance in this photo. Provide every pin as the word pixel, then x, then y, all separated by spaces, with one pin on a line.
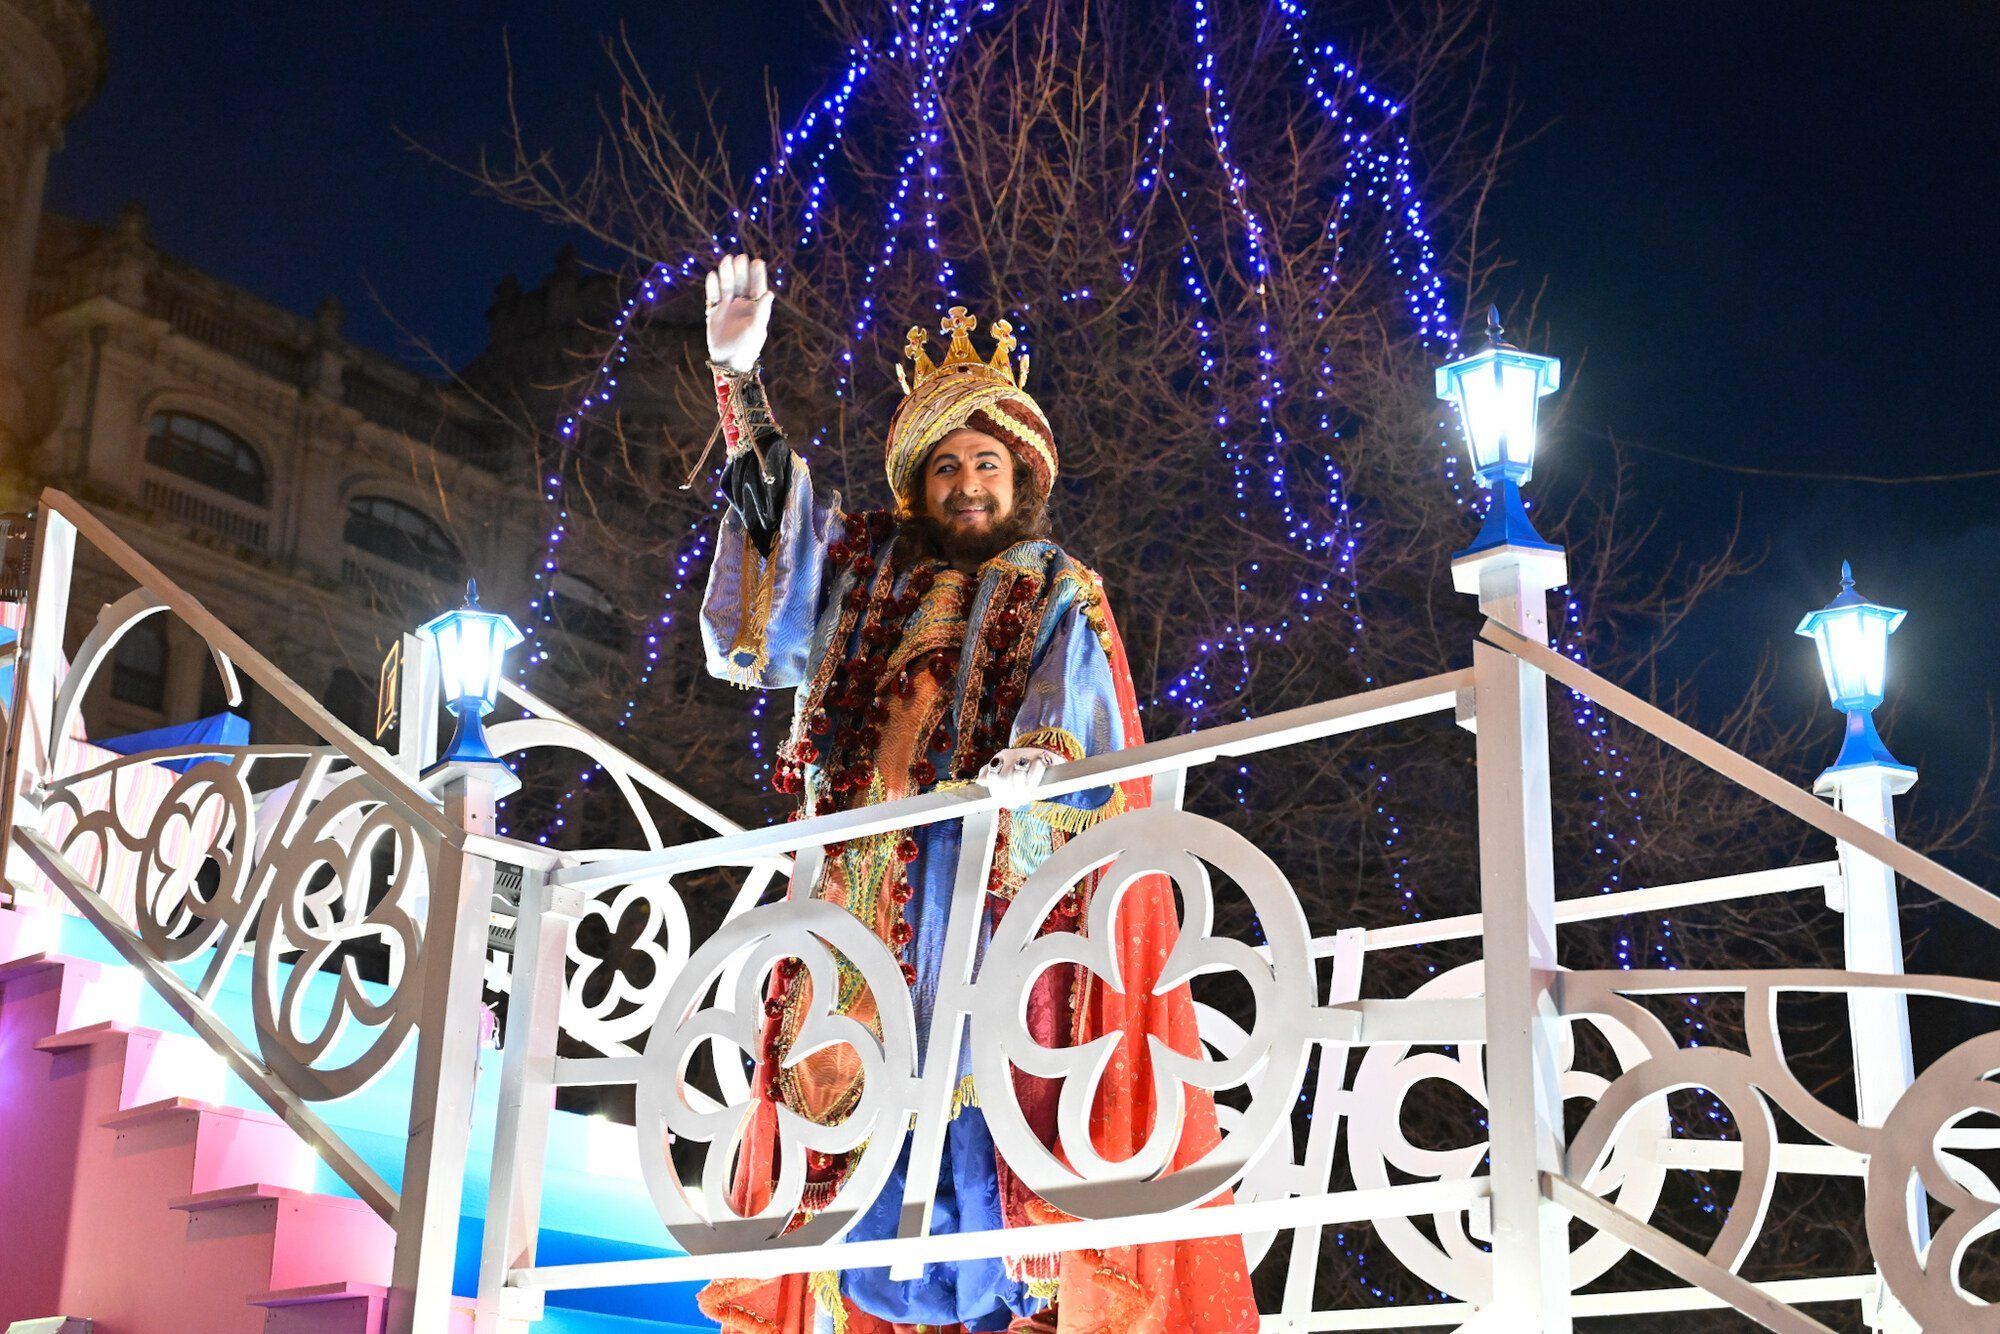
pixel 201 451
pixel 139 664
pixel 582 609
pixel 403 536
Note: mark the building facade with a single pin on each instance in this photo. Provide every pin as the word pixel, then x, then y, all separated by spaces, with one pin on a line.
pixel 51 64
pixel 319 497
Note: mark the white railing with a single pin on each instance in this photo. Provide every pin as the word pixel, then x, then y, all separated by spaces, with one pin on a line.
pixel 738 960
pixel 305 852
pixel 283 859
pixel 1485 1221
pixel 1611 1175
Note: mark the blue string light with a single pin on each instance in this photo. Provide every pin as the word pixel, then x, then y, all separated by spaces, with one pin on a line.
pixel 1296 479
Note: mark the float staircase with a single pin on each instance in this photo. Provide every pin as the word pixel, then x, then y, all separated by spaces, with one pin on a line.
pixel 145 1189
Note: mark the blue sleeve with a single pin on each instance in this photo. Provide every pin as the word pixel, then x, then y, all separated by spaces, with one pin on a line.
pixel 1071 706
pixel 759 612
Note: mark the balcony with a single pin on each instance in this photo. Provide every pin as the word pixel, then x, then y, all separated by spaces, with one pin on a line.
pixel 259 344
pixel 224 519
pixel 419 410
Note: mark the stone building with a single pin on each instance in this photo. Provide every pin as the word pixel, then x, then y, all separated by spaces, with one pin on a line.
pixel 315 495
pixel 319 497
pixel 51 65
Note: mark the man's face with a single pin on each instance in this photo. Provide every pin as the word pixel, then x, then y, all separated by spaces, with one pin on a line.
pixel 968 484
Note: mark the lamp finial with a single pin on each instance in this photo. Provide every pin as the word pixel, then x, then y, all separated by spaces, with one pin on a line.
pixel 1846 575
pixel 472 592
pixel 1493 329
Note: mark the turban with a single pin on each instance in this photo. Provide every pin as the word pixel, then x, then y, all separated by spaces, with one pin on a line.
pixel 1000 410
pixel 965 391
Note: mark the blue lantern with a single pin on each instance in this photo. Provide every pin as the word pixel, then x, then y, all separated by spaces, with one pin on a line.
pixel 1498 391
pixel 471 644
pixel 1852 635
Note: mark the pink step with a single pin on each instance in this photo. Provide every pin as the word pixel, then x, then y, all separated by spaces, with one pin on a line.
pixel 225 1146
pixel 75 993
pixel 54 1089
pixel 314 1238
pixel 324 1308
pixel 152 1065
pixel 341 1308
pixel 28 929
pixel 194 1262
pixel 154 1211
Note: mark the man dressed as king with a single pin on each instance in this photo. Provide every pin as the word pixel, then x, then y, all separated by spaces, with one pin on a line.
pixel 945 639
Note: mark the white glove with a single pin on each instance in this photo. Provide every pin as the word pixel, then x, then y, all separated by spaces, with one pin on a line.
pixel 739 311
pixel 1015 772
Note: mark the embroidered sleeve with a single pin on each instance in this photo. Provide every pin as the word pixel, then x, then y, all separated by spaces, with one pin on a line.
pixel 1071 699
pixel 762 603
pixel 1071 706
pixel 1057 739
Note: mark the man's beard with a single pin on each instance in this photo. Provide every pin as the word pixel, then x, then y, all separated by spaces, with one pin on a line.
pixel 970 548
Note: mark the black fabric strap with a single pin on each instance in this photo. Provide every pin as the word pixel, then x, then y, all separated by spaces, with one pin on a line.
pixel 760 503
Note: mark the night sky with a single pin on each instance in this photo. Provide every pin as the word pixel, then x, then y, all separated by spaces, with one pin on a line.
pixel 1759 234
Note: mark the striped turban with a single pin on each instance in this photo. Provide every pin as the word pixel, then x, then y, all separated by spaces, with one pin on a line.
pixel 949 401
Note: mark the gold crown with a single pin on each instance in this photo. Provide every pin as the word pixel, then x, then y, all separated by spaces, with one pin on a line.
pixel 961 359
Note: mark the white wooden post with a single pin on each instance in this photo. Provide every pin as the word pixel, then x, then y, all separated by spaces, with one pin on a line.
pixel 949 1012
pixel 417 705
pixel 1331 1102
pixel 1872 941
pixel 448 1034
pixel 1872 934
pixel 1517 897
pixel 542 934
pixel 37 674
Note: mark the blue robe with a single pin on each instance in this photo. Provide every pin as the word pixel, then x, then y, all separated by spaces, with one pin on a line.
pixel 771 623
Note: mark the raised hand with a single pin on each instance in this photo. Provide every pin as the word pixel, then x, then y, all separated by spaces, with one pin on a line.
pixel 739 311
pixel 1013 774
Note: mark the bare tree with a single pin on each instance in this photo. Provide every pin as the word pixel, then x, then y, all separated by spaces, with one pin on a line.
pixel 1204 224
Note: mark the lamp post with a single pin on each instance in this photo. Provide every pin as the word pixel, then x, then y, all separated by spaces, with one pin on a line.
pixel 470 645
pixel 1510 568
pixel 1498 392
pixel 1852 635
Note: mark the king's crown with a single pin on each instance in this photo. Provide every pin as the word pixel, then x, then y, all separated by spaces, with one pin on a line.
pixel 960 359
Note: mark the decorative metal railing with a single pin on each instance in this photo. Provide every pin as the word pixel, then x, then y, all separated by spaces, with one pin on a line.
pixel 351 848
pixel 304 858
pixel 262 344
